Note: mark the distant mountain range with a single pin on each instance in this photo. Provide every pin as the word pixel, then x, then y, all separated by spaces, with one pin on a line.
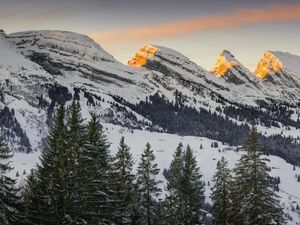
pixel 160 89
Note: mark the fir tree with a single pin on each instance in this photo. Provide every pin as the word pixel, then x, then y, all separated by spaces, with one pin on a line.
pixel 148 185
pixel 192 190
pixel 31 197
pixel 125 184
pixel 220 193
pixel 75 141
pixel 185 190
pixel 98 177
pixel 10 201
pixel 253 199
pixel 174 199
pixel 52 198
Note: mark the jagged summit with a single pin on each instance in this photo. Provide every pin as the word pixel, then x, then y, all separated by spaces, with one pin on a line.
pixel 225 62
pixel 142 55
pixel 148 52
pixel 280 71
pixel 269 64
pixel 231 70
pixel 276 61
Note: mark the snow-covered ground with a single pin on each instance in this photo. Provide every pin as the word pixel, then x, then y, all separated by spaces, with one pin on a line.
pixel 164 146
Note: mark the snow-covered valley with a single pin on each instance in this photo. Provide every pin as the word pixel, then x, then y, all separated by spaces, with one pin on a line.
pixel 164 146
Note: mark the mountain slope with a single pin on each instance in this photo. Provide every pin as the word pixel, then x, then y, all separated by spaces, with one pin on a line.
pixel 22 83
pixel 161 89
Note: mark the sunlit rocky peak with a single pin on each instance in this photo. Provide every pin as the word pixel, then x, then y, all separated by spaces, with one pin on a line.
pixel 267 65
pixel 142 55
pixel 224 62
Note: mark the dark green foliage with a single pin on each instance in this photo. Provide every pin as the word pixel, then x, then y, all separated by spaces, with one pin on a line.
pixel 186 191
pixel 221 193
pixel 56 181
pixel 148 186
pixel 253 199
pixel 31 198
pixel 76 180
pixel 75 142
pixel 98 177
pixel 53 198
pixel 186 120
pixel 10 201
pixel 126 187
pixel 79 182
pixel 192 190
pixel 174 200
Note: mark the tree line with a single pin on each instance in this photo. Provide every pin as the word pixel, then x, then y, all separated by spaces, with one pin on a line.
pixel 78 181
pixel 178 118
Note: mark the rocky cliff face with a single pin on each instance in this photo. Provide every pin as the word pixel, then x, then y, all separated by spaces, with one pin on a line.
pixel 268 65
pixel 279 71
pixel 230 69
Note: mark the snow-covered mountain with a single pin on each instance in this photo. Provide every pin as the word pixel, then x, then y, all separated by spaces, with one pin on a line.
pixel 279 72
pixel 160 89
pixel 22 81
pixel 230 69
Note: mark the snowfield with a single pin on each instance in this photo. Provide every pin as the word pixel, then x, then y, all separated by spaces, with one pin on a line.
pixel 164 146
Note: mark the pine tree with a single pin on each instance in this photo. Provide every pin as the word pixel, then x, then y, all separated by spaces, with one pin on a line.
pixel 98 177
pixel 148 185
pixel 192 190
pixel 125 184
pixel 31 197
pixel 10 201
pixel 48 187
pixel 174 199
pixel 75 141
pixel 253 199
pixel 221 192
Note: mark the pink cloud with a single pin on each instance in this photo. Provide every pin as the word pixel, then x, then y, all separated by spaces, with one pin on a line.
pixel 236 18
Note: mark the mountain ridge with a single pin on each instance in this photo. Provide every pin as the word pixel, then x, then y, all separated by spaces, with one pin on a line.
pixel 168 93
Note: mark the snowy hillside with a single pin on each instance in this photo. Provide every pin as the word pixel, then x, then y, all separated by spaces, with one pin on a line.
pixel 164 146
pixel 160 90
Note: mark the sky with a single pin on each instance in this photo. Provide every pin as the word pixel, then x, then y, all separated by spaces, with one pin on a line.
pixel 199 29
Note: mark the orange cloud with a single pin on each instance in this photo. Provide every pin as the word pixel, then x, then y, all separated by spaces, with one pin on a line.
pixel 276 13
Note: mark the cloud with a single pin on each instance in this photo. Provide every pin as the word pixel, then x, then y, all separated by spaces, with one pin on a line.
pixel 9 14
pixel 236 18
pixel 51 15
pixel 13 16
